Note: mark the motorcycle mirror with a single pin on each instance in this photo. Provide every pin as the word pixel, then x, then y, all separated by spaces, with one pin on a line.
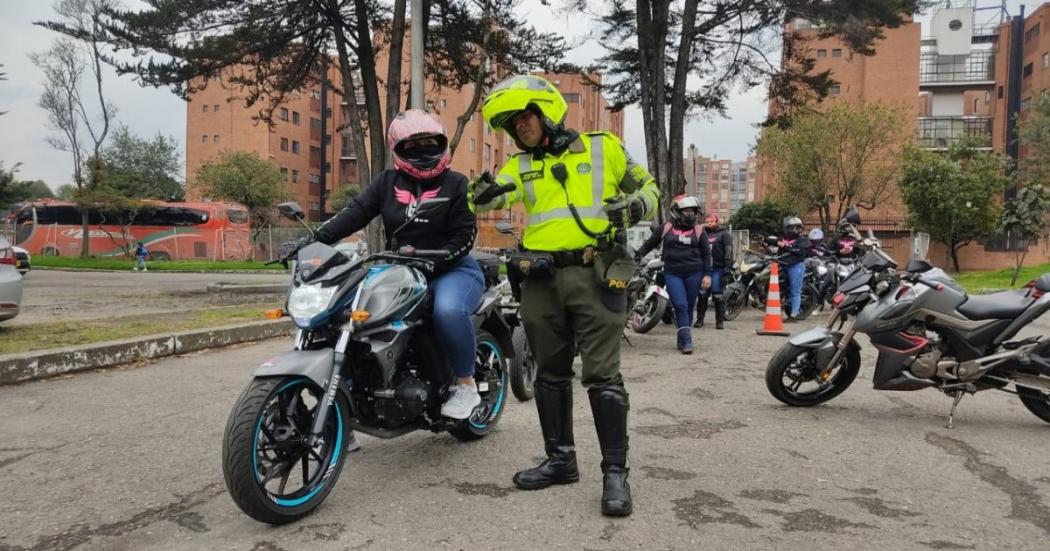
pixel 428 205
pixel 772 240
pixel 505 228
pixel 917 266
pixel 852 216
pixel 291 210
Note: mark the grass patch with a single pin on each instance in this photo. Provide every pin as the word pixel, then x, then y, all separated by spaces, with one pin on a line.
pixel 95 263
pixel 998 279
pixel 43 336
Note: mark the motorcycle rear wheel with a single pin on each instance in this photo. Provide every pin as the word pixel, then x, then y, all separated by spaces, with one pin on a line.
pixel 649 314
pixel 1036 402
pixel 798 364
pixel 264 449
pixel 490 370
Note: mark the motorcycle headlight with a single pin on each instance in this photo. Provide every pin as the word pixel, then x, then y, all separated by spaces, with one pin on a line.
pixel 306 301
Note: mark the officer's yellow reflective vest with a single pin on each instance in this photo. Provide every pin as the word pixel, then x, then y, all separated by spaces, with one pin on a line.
pixel 598 168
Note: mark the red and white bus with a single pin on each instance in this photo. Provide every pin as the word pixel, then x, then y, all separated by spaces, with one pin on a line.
pixel 179 231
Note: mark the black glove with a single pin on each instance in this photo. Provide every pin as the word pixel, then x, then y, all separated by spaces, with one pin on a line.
pixel 288 249
pixel 625 211
pixel 478 186
pixel 638 258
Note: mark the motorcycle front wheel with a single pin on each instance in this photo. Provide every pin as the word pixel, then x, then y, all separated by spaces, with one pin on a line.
pixel 272 473
pixel 794 378
pixel 735 300
pixel 522 367
pixel 648 314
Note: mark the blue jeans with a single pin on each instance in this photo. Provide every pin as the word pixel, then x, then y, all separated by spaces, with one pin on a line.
pixel 716 281
pixel 457 293
pixel 795 274
pixel 683 289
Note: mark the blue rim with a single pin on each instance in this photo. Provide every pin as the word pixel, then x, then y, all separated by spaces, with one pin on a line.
pixel 334 456
pixel 502 389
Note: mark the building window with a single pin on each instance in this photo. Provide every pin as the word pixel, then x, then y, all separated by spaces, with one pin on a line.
pixel 1046 60
pixel 205 107
pixel 472 174
pixel 284 114
pixel 975 100
pixel 487 154
pixel 1026 104
pixel 821 54
pixel 284 172
pixel 327 167
pixel 837 52
pixel 295 175
pixel 444 103
pixel 835 90
pixel 284 144
pixel 1000 92
pixel 215 108
pixel 315 178
pixel 571 97
pixel 473 145
pixel 204 138
pixel 295 147
pixel 1027 72
pixel 215 138
pixel 295 118
pixel 1031 34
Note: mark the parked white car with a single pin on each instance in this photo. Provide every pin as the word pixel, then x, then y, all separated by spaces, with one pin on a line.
pixel 10 282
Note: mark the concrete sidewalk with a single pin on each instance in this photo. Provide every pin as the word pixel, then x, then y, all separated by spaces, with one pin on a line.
pixel 41 364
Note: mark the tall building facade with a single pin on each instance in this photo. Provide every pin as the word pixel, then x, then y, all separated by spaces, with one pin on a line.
pixel 970 73
pixel 722 186
pixel 218 120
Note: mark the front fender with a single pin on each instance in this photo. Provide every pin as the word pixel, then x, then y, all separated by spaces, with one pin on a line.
pixel 822 340
pixel 313 364
pixel 656 290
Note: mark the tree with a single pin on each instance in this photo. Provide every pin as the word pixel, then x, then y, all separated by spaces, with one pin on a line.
pixel 709 49
pixel 953 195
pixel 14 191
pixel 763 217
pixel 144 169
pixel 1023 220
pixel 65 102
pixel 245 177
pixel 845 156
pixel 341 198
pixel 66 191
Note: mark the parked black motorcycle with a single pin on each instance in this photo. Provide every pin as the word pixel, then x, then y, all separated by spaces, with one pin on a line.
pixel 929 334
pixel 646 297
pixel 365 359
pixel 750 284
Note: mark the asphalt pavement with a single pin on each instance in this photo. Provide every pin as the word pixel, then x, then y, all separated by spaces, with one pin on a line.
pixel 130 459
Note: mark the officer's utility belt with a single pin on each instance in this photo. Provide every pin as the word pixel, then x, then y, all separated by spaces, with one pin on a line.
pixel 543 263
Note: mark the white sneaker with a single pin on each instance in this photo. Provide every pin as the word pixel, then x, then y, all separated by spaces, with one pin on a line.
pixel 462 402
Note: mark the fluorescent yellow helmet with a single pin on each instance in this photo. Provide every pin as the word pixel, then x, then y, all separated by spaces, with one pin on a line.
pixel 518 92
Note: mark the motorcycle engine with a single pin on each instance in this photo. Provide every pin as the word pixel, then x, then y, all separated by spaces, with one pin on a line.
pixel 409 401
pixel 925 364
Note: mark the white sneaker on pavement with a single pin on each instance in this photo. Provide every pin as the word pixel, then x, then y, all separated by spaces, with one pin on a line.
pixel 462 402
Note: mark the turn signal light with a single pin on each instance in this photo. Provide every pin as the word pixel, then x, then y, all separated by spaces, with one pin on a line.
pixel 274 314
pixel 360 315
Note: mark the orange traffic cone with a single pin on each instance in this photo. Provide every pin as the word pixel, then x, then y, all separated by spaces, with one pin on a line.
pixel 773 324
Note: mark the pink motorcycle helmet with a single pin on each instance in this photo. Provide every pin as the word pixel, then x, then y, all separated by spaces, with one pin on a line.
pixel 418 142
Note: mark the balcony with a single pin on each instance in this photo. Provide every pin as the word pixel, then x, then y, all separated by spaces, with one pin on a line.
pixel 938 70
pixel 944 132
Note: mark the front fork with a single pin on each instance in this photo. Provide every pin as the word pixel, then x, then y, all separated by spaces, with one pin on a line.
pixel 848 332
pixel 324 406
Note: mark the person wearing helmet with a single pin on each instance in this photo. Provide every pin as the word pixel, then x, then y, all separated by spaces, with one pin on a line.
pixel 795 248
pixel 418 143
pixel 721 258
pixel 687 258
pixel 575 187
pixel 816 241
pixel 845 245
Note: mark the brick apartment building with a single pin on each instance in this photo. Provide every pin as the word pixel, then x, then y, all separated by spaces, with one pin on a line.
pixel 723 186
pixel 217 120
pixel 963 78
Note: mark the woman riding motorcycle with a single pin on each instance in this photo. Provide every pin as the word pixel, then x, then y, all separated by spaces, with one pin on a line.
pixel 687 258
pixel 418 143
pixel 721 258
pixel 796 248
pixel 844 246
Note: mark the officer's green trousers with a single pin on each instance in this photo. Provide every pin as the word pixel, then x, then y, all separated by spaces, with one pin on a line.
pixel 567 309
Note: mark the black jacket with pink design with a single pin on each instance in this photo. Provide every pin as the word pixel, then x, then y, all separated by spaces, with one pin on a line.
pixel 394 196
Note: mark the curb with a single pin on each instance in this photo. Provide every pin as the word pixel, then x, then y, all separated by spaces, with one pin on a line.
pixel 247 288
pixel 41 364
pixel 52 269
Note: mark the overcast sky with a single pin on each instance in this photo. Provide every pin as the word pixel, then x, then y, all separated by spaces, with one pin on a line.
pixel 148 111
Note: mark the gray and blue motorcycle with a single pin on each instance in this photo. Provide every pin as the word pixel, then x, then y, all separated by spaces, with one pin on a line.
pixel 364 358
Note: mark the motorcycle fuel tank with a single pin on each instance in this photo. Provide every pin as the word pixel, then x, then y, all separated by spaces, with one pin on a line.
pixel 389 292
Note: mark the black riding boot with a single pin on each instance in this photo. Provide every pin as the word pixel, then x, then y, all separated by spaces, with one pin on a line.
pixel 554 404
pixel 701 309
pixel 609 406
pixel 720 311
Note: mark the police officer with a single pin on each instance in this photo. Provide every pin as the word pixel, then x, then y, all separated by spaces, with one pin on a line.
pixel 574 187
